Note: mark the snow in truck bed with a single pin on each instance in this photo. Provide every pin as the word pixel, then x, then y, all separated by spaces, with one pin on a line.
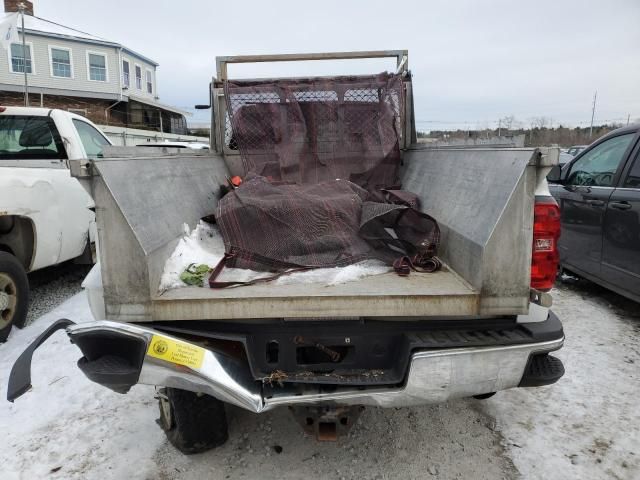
pixel 204 245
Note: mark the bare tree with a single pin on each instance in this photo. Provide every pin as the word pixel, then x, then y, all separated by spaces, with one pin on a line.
pixel 539 122
pixel 507 122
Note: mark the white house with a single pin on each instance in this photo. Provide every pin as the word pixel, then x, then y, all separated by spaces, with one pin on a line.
pixel 77 71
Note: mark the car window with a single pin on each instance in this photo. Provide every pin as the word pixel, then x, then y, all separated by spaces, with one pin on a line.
pixel 92 140
pixel 633 178
pixel 27 137
pixel 564 158
pixel 597 167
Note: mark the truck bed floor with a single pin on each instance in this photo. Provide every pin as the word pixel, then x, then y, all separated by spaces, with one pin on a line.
pixel 435 294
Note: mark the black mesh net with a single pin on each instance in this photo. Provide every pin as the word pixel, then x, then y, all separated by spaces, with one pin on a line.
pixel 321 159
pixel 309 131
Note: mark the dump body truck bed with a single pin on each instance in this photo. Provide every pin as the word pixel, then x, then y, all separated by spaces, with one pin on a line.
pixel 483 200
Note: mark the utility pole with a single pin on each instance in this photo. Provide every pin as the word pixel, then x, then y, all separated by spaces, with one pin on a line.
pixel 593 111
pixel 628 117
pixel 21 8
pixel 499 127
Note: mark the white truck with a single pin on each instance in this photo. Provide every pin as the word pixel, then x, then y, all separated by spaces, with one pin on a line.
pixel 478 325
pixel 46 217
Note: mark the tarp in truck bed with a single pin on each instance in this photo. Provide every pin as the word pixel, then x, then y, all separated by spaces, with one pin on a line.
pixel 321 189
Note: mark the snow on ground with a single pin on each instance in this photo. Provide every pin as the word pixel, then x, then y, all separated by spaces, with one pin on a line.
pixel 204 245
pixel 587 426
pixel 67 422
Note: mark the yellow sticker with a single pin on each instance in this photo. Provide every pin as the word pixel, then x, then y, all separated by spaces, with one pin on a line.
pixel 175 351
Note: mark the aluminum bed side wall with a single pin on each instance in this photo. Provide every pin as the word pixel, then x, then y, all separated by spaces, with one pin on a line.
pixel 483 200
pixel 141 207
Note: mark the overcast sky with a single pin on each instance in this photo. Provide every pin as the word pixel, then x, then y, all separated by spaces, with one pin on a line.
pixel 473 62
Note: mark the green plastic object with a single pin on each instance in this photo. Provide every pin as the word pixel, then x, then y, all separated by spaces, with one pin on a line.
pixel 194 274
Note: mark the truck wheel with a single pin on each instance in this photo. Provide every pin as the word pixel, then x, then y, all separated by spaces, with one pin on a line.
pixel 192 422
pixel 14 294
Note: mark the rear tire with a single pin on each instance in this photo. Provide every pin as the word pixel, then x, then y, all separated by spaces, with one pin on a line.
pixel 192 422
pixel 14 294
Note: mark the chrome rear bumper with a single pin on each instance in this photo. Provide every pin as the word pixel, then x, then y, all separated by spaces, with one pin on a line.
pixel 434 376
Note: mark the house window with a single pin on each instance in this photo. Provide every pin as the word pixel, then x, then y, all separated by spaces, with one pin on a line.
pixel 149 82
pixel 126 80
pixel 97 67
pixel 18 58
pixel 60 62
pixel 138 77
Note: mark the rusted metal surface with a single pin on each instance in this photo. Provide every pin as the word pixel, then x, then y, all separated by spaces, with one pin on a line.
pixel 333 355
pixel 276 377
pixel 326 423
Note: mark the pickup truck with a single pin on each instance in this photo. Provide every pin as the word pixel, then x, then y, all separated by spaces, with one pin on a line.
pixel 46 217
pixel 478 325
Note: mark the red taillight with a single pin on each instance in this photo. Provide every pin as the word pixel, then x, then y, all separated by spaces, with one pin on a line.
pixel 546 231
pixel 2 109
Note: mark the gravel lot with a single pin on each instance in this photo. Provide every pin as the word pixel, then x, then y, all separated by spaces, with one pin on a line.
pixel 53 285
pixel 586 426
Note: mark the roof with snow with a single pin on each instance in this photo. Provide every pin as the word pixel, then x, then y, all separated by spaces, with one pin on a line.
pixel 39 26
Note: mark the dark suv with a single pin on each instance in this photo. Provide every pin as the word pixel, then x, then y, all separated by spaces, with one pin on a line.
pixel 599 196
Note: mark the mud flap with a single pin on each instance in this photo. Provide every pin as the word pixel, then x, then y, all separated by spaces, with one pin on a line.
pixel 20 377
